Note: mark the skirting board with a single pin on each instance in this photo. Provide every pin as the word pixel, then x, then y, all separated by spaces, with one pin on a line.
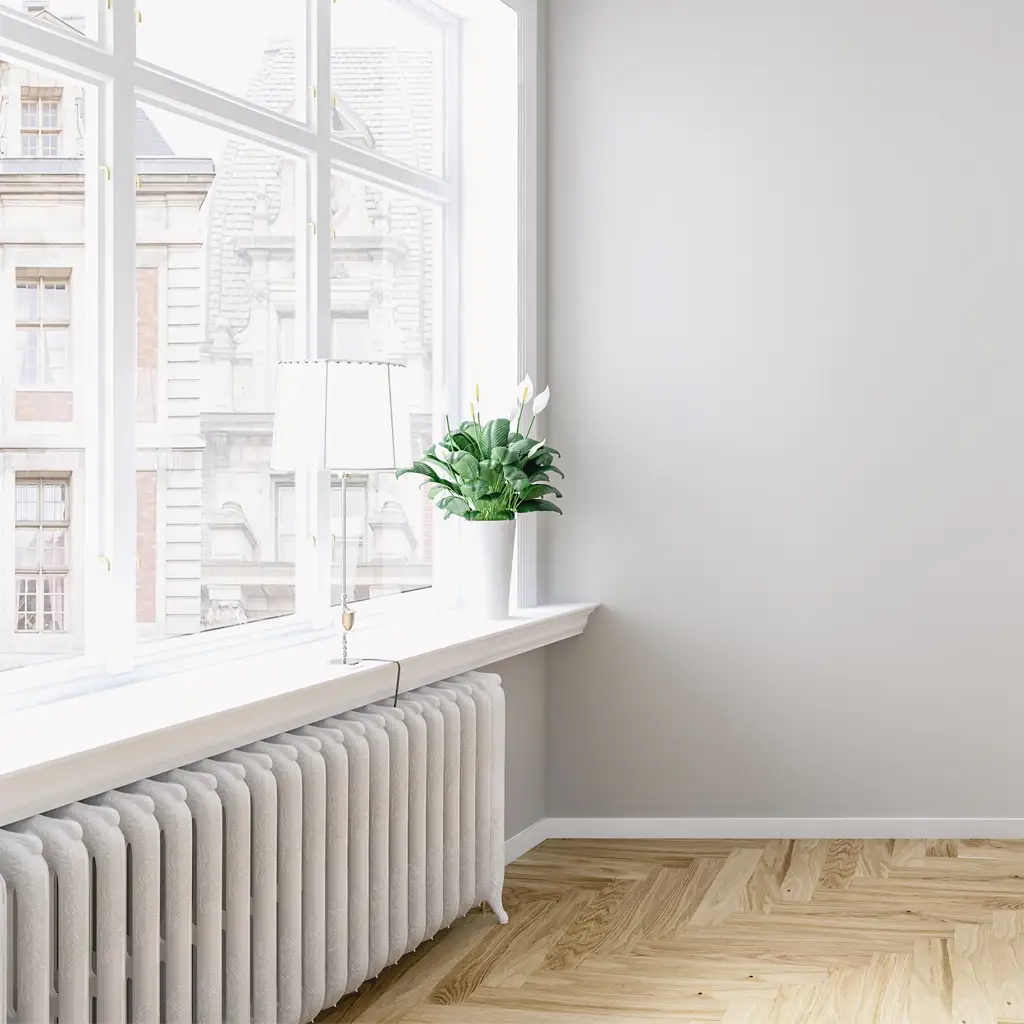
pixel 761 828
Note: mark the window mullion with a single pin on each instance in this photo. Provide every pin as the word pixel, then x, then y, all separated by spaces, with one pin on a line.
pixel 118 411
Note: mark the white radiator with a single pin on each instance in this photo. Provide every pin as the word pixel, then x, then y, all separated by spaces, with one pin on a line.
pixel 267 882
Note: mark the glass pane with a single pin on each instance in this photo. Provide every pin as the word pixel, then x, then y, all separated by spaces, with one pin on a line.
pixel 387 77
pixel 50 144
pixel 26 595
pixel 262 62
pixel 350 337
pixel 55 503
pixel 26 344
pixel 27 503
pixel 29 144
pixel 59 15
pixel 29 114
pixel 56 351
pixel 53 604
pixel 56 309
pixel 26 548
pixel 26 303
pixel 393 285
pixel 50 109
pixel 211 298
pixel 55 549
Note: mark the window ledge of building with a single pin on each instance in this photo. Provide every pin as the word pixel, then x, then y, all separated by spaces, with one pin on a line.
pixel 56 753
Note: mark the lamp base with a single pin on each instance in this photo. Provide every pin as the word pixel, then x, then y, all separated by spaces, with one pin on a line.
pixel 348 619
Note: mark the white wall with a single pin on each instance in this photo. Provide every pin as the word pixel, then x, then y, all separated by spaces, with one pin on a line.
pixel 786 297
pixel 523 681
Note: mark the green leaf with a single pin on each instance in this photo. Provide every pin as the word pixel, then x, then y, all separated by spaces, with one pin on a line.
pixel 464 442
pixel 520 448
pixel 466 466
pixel 538 491
pixel 538 506
pixel 454 505
pixel 496 435
pixel 516 478
pixel 499 455
pixel 538 477
pixel 423 469
pixel 439 489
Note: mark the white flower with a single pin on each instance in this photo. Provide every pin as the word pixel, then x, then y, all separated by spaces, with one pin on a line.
pixel 540 403
pixel 536 448
pixel 525 392
pixel 442 453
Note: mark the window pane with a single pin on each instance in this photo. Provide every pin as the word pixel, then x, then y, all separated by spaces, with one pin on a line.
pixel 26 548
pixel 53 604
pixel 350 338
pixel 26 597
pixel 29 144
pixel 394 287
pixel 59 15
pixel 266 39
pixel 26 303
pixel 387 76
pixel 56 309
pixel 55 503
pixel 27 508
pixel 50 145
pixel 49 113
pixel 55 550
pixel 56 351
pixel 26 344
pixel 29 114
pixel 213 288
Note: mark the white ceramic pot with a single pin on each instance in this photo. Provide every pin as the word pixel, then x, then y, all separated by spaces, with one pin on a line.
pixel 485 567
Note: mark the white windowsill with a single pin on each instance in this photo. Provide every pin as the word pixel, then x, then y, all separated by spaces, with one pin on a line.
pixel 53 754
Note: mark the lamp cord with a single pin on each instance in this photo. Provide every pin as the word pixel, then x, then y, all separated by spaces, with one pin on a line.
pixel 398 673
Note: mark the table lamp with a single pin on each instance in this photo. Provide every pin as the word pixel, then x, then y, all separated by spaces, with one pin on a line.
pixel 338 416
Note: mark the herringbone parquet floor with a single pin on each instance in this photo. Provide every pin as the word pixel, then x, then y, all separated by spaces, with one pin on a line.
pixel 741 932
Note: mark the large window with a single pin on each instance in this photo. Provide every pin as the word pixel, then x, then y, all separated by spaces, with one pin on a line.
pixel 202 213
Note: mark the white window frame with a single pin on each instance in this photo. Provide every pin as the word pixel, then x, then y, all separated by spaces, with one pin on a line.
pixel 105 62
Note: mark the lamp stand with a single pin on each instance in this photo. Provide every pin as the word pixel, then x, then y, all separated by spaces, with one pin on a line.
pixel 348 617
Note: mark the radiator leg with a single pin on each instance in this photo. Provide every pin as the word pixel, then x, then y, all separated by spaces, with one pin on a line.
pixel 499 911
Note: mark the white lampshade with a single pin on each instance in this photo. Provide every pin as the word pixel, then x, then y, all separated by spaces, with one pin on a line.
pixel 336 415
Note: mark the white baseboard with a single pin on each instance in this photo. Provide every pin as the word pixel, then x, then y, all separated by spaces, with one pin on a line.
pixel 526 840
pixel 762 828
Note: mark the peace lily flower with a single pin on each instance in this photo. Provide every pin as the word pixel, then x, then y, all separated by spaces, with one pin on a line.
pixel 540 403
pixel 442 453
pixel 536 448
pixel 525 390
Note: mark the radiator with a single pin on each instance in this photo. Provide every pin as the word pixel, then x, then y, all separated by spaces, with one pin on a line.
pixel 264 883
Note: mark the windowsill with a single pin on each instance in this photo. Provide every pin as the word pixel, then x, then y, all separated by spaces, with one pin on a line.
pixel 63 751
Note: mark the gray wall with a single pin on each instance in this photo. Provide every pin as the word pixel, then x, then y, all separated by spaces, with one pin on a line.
pixel 786 345
pixel 525 741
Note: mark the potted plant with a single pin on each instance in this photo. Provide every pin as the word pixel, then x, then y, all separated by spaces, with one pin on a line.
pixel 487 474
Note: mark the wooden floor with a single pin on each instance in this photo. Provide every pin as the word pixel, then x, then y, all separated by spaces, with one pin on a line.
pixel 744 932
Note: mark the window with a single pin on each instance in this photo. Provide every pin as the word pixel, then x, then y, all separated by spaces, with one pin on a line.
pixel 40 124
pixel 218 210
pixel 42 330
pixel 42 522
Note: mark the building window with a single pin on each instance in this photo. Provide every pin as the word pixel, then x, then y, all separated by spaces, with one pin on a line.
pixel 42 314
pixel 42 518
pixel 40 124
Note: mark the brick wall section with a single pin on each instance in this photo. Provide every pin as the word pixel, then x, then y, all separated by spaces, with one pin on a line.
pixel 147 344
pixel 44 406
pixel 145 583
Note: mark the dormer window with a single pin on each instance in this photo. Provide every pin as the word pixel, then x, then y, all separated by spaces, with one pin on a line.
pixel 40 122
